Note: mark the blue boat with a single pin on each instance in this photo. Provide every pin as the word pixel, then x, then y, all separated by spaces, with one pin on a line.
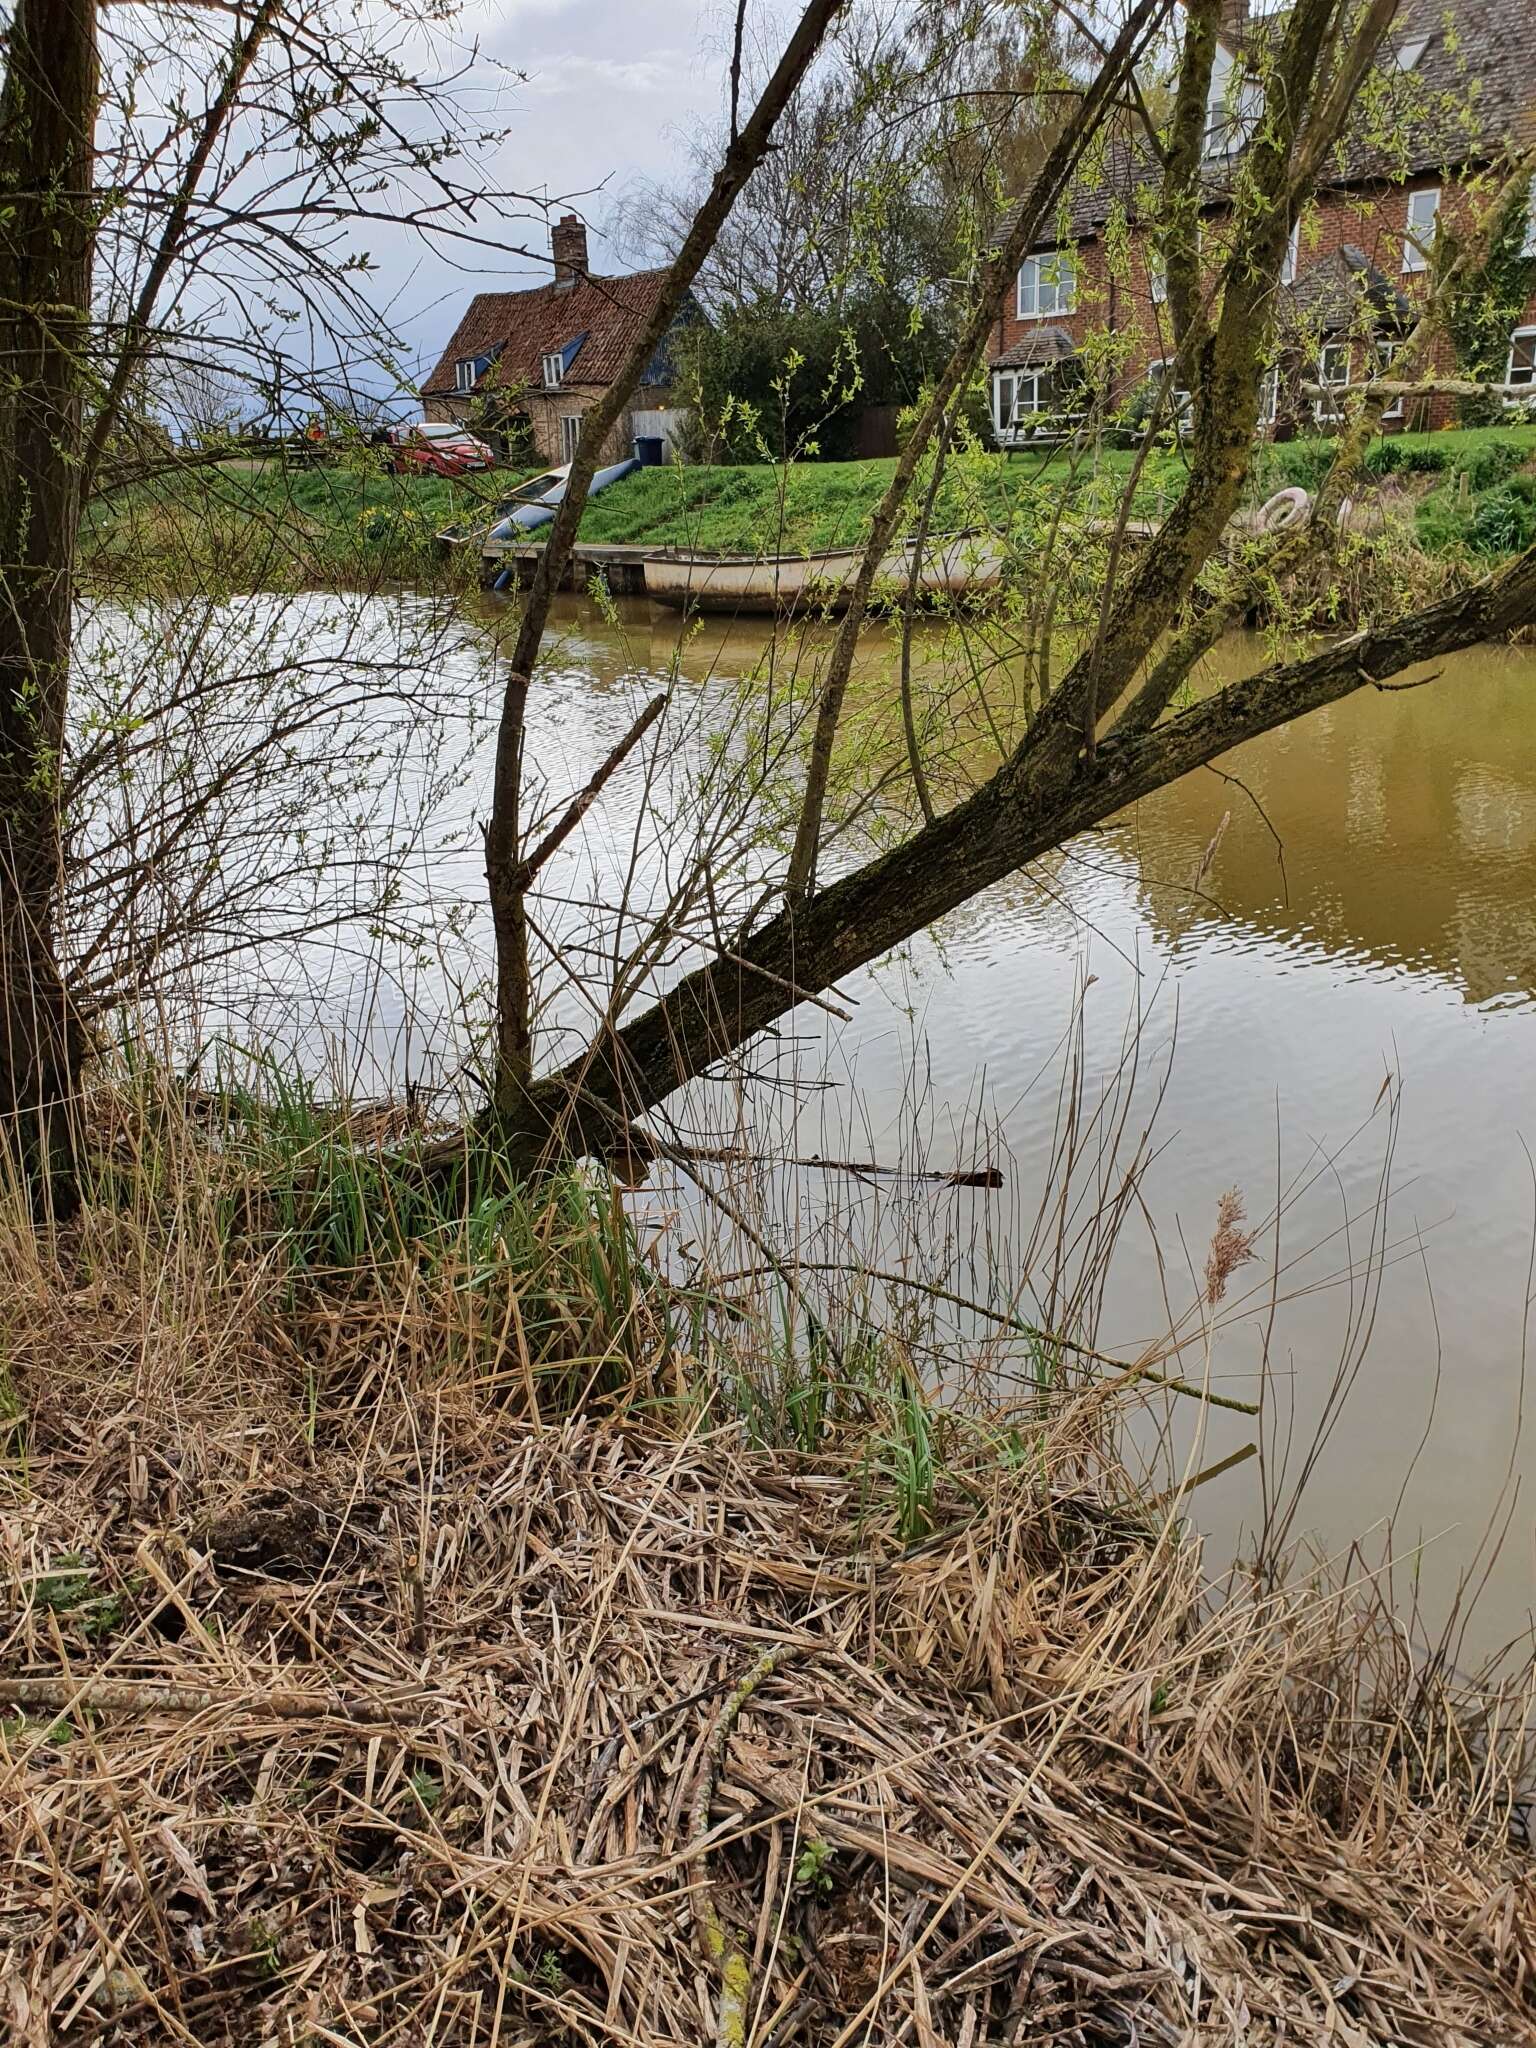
pixel 538 504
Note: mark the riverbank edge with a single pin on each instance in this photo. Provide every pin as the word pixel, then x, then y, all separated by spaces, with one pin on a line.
pixel 1467 495
pixel 424 1611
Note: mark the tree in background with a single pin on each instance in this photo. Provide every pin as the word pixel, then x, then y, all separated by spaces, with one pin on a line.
pixel 181 192
pixel 837 282
pixel 749 931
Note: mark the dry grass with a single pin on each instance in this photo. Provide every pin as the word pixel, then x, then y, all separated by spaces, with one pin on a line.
pixel 352 1701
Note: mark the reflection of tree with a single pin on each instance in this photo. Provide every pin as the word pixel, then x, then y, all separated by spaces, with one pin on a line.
pixel 1407 821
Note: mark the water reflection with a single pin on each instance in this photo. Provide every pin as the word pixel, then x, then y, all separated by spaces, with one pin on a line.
pixel 1392 830
pixel 1367 911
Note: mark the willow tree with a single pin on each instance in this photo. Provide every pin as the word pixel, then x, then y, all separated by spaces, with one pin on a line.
pixel 1107 729
pixel 184 191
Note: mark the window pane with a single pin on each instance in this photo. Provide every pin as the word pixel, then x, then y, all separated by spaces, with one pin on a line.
pixel 1522 357
pixel 1422 208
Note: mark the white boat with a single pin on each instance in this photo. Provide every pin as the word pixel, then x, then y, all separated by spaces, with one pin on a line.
pixel 690 579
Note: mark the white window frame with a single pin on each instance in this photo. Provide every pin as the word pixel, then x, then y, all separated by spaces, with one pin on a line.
pixel 1419 235
pixel 1180 398
pixel 1386 353
pixel 1062 287
pixel 1519 334
pixel 1157 280
pixel 465 372
pixel 570 434
pixel 1269 396
pixel 1324 411
pixel 554 371
pixel 1006 418
pixel 1232 107
pixel 1292 253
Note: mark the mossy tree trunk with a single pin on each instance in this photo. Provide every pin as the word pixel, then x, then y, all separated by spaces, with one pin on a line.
pixel 47 121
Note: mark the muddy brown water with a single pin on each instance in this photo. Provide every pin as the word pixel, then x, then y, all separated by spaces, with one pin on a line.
pixel 1368 912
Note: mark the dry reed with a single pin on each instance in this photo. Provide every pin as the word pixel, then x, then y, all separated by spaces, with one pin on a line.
pixel 358 1695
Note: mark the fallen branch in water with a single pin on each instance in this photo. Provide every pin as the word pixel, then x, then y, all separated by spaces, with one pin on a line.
pixel 731 1155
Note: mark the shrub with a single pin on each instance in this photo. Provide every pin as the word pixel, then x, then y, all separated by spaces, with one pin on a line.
pixel 1504 520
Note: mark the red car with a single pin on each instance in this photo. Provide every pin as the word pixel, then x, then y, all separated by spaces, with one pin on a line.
pixel 438 448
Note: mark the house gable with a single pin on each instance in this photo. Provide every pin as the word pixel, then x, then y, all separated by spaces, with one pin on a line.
pixel 588 326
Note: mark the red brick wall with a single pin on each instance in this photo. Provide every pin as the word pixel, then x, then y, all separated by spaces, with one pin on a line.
pixel 1120 307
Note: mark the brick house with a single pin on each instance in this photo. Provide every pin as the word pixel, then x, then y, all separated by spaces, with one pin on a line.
pixel 542 357
pixel 1455 91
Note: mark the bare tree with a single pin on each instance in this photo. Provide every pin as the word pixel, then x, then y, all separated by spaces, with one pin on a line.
pixel 1101 734
pixel 182 191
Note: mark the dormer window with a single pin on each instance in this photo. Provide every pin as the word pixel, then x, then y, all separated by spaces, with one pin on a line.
pixel 468 371
pixel 554 371
pixel 1047 284
pixel 1420 238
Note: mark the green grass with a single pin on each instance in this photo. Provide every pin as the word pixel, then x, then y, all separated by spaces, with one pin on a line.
pixel 810 506
pixel 266 525
pixel 348 523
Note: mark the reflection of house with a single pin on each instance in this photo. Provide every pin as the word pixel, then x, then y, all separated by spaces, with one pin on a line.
pixel 544 356
pixel 1452 89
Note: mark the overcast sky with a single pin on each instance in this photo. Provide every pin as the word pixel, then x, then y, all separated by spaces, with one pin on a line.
pixel 613 89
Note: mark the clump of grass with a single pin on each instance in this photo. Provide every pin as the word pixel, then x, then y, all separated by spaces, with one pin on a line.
pixel 423 1658
pixel 268 526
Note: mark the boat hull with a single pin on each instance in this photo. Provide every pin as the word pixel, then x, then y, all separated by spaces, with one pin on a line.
pixel 952 566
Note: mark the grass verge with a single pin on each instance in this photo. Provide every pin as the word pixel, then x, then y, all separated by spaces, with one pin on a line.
pixel 263 525
pixel 415 1635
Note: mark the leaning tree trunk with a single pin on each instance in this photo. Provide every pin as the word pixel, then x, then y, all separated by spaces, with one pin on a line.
pixel 47 121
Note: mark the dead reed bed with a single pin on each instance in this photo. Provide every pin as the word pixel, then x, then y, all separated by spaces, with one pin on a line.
pixel 363 1686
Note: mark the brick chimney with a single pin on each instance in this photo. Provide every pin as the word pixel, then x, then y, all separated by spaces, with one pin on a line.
pixel 568 246
pixel 1233 23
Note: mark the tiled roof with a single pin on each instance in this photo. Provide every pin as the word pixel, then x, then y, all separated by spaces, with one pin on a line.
pixel 1470 94
pixel 527 326
pixel 1040 345
pixel 1332 295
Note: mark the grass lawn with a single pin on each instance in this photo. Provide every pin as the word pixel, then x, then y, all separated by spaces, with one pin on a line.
pixel 828 504
pixel 347 522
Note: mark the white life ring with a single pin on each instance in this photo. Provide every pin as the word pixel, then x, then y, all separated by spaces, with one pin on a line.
pixel 1284 509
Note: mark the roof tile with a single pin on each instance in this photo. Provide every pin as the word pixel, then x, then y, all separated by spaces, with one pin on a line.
pixel 527 326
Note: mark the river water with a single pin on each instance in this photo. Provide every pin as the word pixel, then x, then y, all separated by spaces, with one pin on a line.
pixel 1332 961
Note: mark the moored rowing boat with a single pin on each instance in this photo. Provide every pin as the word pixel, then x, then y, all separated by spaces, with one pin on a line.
pixel 954 565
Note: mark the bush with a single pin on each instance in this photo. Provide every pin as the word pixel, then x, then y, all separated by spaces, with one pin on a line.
pixel 1300 465
pixel 1503 521
pixel 1485 462
pixel 1443 523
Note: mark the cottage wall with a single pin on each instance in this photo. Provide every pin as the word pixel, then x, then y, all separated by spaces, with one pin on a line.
pixel 547 410
pixel 1118 319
